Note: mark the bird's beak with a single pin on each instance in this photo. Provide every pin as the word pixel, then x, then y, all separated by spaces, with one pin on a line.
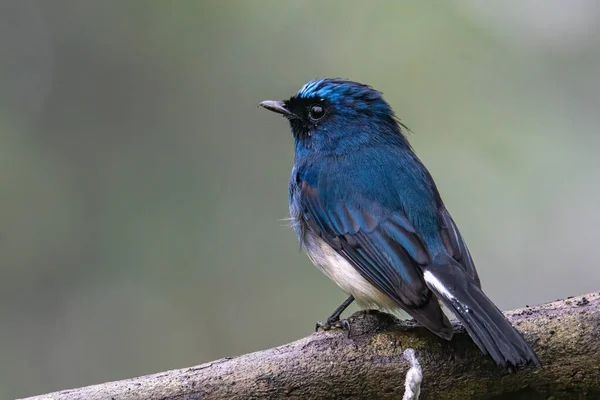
pixel 277 106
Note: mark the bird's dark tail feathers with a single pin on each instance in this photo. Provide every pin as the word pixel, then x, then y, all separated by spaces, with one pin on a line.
pixel 484 322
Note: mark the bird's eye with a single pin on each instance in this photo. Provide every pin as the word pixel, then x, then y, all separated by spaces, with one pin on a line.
pixel 316 112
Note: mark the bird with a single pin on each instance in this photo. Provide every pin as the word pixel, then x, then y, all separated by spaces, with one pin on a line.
pixel 369 216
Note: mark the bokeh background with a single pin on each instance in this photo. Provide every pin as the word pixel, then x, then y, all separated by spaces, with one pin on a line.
pixel 142 190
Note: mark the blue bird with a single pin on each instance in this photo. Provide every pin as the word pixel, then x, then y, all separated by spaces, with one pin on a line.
pixel 368 215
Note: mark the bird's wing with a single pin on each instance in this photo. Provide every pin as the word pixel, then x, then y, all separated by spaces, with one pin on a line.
pixel 456 246
pixel 386 251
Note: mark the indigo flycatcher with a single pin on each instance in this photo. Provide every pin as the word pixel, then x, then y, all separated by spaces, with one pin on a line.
pixel 369 216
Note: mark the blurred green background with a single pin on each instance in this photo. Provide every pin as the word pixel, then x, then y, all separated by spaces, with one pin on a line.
pixel 142 190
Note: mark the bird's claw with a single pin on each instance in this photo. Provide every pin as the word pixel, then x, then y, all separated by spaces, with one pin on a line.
pixel 333 323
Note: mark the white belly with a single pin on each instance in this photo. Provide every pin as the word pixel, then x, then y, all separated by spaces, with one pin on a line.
pixel 345 275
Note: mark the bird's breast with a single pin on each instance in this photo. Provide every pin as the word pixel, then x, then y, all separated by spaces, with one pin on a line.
pixel 340 271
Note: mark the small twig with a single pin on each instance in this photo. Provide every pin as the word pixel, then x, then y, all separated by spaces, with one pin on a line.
pixel 414 376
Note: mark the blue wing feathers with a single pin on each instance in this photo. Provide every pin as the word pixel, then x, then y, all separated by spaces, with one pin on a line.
pixel 410 241
pixel 383 246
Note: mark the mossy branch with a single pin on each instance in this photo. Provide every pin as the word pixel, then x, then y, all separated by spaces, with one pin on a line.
pixel 369 364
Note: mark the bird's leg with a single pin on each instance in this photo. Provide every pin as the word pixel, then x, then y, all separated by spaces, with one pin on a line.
pixel 334 320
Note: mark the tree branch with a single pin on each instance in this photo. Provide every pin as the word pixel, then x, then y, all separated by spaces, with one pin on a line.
pixel 371 363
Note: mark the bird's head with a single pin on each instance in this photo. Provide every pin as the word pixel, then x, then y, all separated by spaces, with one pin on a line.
pixel 335 114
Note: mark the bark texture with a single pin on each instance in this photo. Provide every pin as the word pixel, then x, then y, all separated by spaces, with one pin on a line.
pixel 368 363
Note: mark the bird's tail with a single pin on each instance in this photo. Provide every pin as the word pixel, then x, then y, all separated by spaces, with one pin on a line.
pixel 484 322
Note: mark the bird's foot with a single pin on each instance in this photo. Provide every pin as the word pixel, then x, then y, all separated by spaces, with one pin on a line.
pixel 332 323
